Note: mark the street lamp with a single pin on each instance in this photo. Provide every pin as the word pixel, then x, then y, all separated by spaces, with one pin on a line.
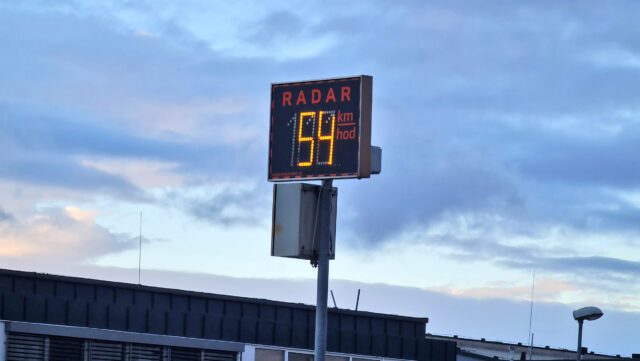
pixel 585 313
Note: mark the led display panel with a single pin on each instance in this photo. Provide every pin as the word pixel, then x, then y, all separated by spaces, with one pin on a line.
pixel 320 129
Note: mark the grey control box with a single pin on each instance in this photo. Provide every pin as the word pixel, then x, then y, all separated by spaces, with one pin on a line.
pixel 295 219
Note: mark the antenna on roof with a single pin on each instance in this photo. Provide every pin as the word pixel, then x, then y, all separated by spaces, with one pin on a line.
pixel 334 300
pixel 533 285
pixel 358 299
pixel 140 249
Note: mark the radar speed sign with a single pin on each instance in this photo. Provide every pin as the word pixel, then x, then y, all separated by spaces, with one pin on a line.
pixel 320 129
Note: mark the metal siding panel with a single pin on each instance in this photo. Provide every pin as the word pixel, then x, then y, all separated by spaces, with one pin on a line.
pixel 6 284
pixel 142 298
pixel 407 329
pixel 424 350
pixel 212 327
pixel 157 321
pixel 77 311
pixel 117 317
pixel 347 341
pixel 438 351
pixel 35 309
pixel 250 310
pixel 124 297
pixel 85 292
pixel 215 307
pixel 300 317
pixel 363 343
pixel 347 323
pixel 45 288
pixel 175 323
pixel 232 308
pixel 231 328
pixel 420 330
pixel 267 313
pixel 193 327
pixel 14 307
pixel 98 315
pixel 265 332
pixel 311 332
pixel 23 286
pixel 161 301
pixel 409 348
pixel 197 304
pixel 283 334
pixel 248 330
pixel 363 324
pixel 333 321
pixel 56 310
pixel 105 294
pixel 333 339
pixel 179 303
pixel 137 319
pixel 393 328
pixel 299 336
pixel 451 351
pixel 283 314
pixel 394 346
pixel 65 290
pixel 378 345
pixel 377 326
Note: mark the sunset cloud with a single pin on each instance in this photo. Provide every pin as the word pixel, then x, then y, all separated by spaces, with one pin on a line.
pixel 63 235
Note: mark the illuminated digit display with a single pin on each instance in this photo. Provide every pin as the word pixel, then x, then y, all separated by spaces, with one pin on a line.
pixel 320 129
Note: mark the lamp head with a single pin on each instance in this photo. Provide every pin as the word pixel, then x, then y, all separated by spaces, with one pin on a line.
pixel 587 313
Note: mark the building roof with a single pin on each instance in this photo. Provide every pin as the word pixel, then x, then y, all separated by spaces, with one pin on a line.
pixel 483 349
pixel 44 298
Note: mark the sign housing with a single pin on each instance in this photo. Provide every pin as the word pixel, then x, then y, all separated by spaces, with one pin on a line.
pixel 294 220
pixel 320 129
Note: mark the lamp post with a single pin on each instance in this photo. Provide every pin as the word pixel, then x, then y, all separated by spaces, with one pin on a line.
pixel 586 313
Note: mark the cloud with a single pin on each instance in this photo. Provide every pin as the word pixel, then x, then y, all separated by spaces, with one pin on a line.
pixel 546 290
pixel 226 203
pixel 4 216
pixel 160 99
pixel 57 151
pixel 520 133
pixel 593 266
pixel 66 174
pixel 285 35
pixel 63 235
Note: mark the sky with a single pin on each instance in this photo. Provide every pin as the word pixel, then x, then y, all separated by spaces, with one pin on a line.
pixel 510 134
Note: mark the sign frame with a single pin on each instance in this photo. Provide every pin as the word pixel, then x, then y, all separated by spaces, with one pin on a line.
pixel 364 132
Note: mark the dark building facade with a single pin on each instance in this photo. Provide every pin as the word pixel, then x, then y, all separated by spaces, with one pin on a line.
pixel 46 317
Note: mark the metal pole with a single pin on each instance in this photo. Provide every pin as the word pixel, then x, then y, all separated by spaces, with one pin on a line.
pixel 533 286
pixel 3 341
pixel 323 234
pixel 579 340
pixel 140 250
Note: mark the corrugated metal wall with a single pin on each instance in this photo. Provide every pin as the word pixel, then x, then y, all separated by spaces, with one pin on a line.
pixel 30 347
pixel 99 304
